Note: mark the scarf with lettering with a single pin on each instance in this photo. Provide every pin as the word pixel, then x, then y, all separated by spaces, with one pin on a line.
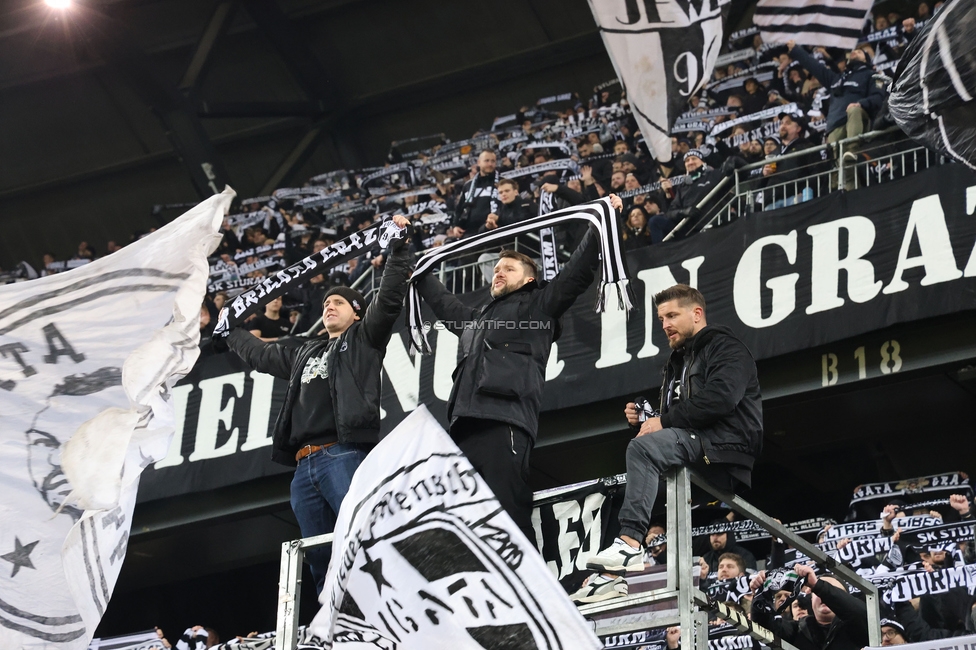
pixel 379 235
pixel 598 213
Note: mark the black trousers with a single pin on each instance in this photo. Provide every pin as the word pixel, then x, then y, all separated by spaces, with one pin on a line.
pixel 500 452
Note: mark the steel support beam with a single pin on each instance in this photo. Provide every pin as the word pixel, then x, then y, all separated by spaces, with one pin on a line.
pixel 312 108
pixel 111 38
pixel 222 16
pixel 287 39
pixel 295 159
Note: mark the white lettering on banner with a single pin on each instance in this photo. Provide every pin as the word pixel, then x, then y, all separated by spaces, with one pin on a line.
pixel 174 456
pixel 554 367
pixel 613 336
pixel 212 416
pixel 971 210
pixel 827 263
pixel 747 289
pixel 404 373
pixel 259 427
pixel 445 361
pixel 927 222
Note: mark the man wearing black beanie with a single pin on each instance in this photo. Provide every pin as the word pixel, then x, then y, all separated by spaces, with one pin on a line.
pixel 331 414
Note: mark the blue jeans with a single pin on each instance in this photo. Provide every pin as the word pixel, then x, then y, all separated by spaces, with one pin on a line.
pixel 320 484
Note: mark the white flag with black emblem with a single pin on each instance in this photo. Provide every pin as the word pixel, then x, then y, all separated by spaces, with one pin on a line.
pixel 663 51
pixel 87 361
pixel 424 558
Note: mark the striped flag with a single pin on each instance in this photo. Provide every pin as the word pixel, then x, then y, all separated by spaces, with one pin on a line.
pixel 825 23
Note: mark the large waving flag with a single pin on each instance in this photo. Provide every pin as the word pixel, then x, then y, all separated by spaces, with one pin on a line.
pixel 826 23
pixel 87 361
pixel 424 558
pixel 663 52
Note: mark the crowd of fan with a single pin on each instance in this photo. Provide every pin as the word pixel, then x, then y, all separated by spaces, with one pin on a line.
pixel 784 592
pixel 763 101
pixel 811 608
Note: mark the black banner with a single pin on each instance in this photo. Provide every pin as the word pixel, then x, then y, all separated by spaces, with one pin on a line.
pixel 822 271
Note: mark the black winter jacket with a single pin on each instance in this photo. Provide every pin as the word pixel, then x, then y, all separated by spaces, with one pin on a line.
pixel 501 372
pixel 355 378
pixel 478 198
pixel 848 630
pixel 855 84
pixel 720 398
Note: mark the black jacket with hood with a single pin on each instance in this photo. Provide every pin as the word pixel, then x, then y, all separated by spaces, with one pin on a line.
pixel 355 368
pixel 720 398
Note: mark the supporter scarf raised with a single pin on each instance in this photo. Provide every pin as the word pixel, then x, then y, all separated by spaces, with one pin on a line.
pixel 873 527
pixel 598 213
pixel 902 587
pixel 541 168
pixel 868 499
pixel 250 302
pixel 547 240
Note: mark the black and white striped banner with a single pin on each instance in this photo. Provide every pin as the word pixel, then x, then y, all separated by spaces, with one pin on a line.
pixel 825 23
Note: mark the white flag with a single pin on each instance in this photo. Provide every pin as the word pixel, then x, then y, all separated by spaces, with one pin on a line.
pixel 87 361
pixel 424 558
pixel 663 51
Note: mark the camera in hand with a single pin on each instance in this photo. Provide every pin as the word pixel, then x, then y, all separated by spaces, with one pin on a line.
pixel 645 410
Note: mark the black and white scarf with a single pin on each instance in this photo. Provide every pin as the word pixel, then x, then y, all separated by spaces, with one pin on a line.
pixel 379 235
pixel 552 165
pixel 547 240
pixel 599 213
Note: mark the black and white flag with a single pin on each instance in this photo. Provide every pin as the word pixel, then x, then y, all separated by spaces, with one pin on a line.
pixel 932 96
pixel 424 557
pixel 85 406
pixel 663 52
pixel 824 23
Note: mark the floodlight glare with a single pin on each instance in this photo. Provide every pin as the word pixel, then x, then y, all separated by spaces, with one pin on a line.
pixel 58 4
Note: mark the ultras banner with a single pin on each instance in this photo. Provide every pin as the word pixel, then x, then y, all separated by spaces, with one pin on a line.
pixel 803 276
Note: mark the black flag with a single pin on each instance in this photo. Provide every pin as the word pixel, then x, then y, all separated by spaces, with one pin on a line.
pixel 932 96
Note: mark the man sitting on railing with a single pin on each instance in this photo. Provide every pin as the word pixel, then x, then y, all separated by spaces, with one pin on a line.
pixel 710 413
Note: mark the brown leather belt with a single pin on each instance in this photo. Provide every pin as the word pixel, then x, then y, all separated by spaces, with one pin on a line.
pixel 308 450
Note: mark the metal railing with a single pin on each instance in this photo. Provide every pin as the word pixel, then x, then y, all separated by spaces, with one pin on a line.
pixel 850 164
pixel 693 606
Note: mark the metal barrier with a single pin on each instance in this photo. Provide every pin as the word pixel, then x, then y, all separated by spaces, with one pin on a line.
pixel 868 159
pixel 692 604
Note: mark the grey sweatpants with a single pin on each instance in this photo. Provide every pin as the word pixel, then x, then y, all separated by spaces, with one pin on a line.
pixel 648 457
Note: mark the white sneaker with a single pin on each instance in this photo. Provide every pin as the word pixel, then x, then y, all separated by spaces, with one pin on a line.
pixel 620 557
pixel 599 588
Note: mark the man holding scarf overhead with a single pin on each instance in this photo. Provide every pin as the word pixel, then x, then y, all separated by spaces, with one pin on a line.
pixel 504 348
pixel 331 414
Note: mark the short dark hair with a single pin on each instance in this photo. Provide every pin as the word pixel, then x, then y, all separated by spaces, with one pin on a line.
pixel 682 293
pixel 491 151
pixel 735 557
pixel 508 181
pixel 527 262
